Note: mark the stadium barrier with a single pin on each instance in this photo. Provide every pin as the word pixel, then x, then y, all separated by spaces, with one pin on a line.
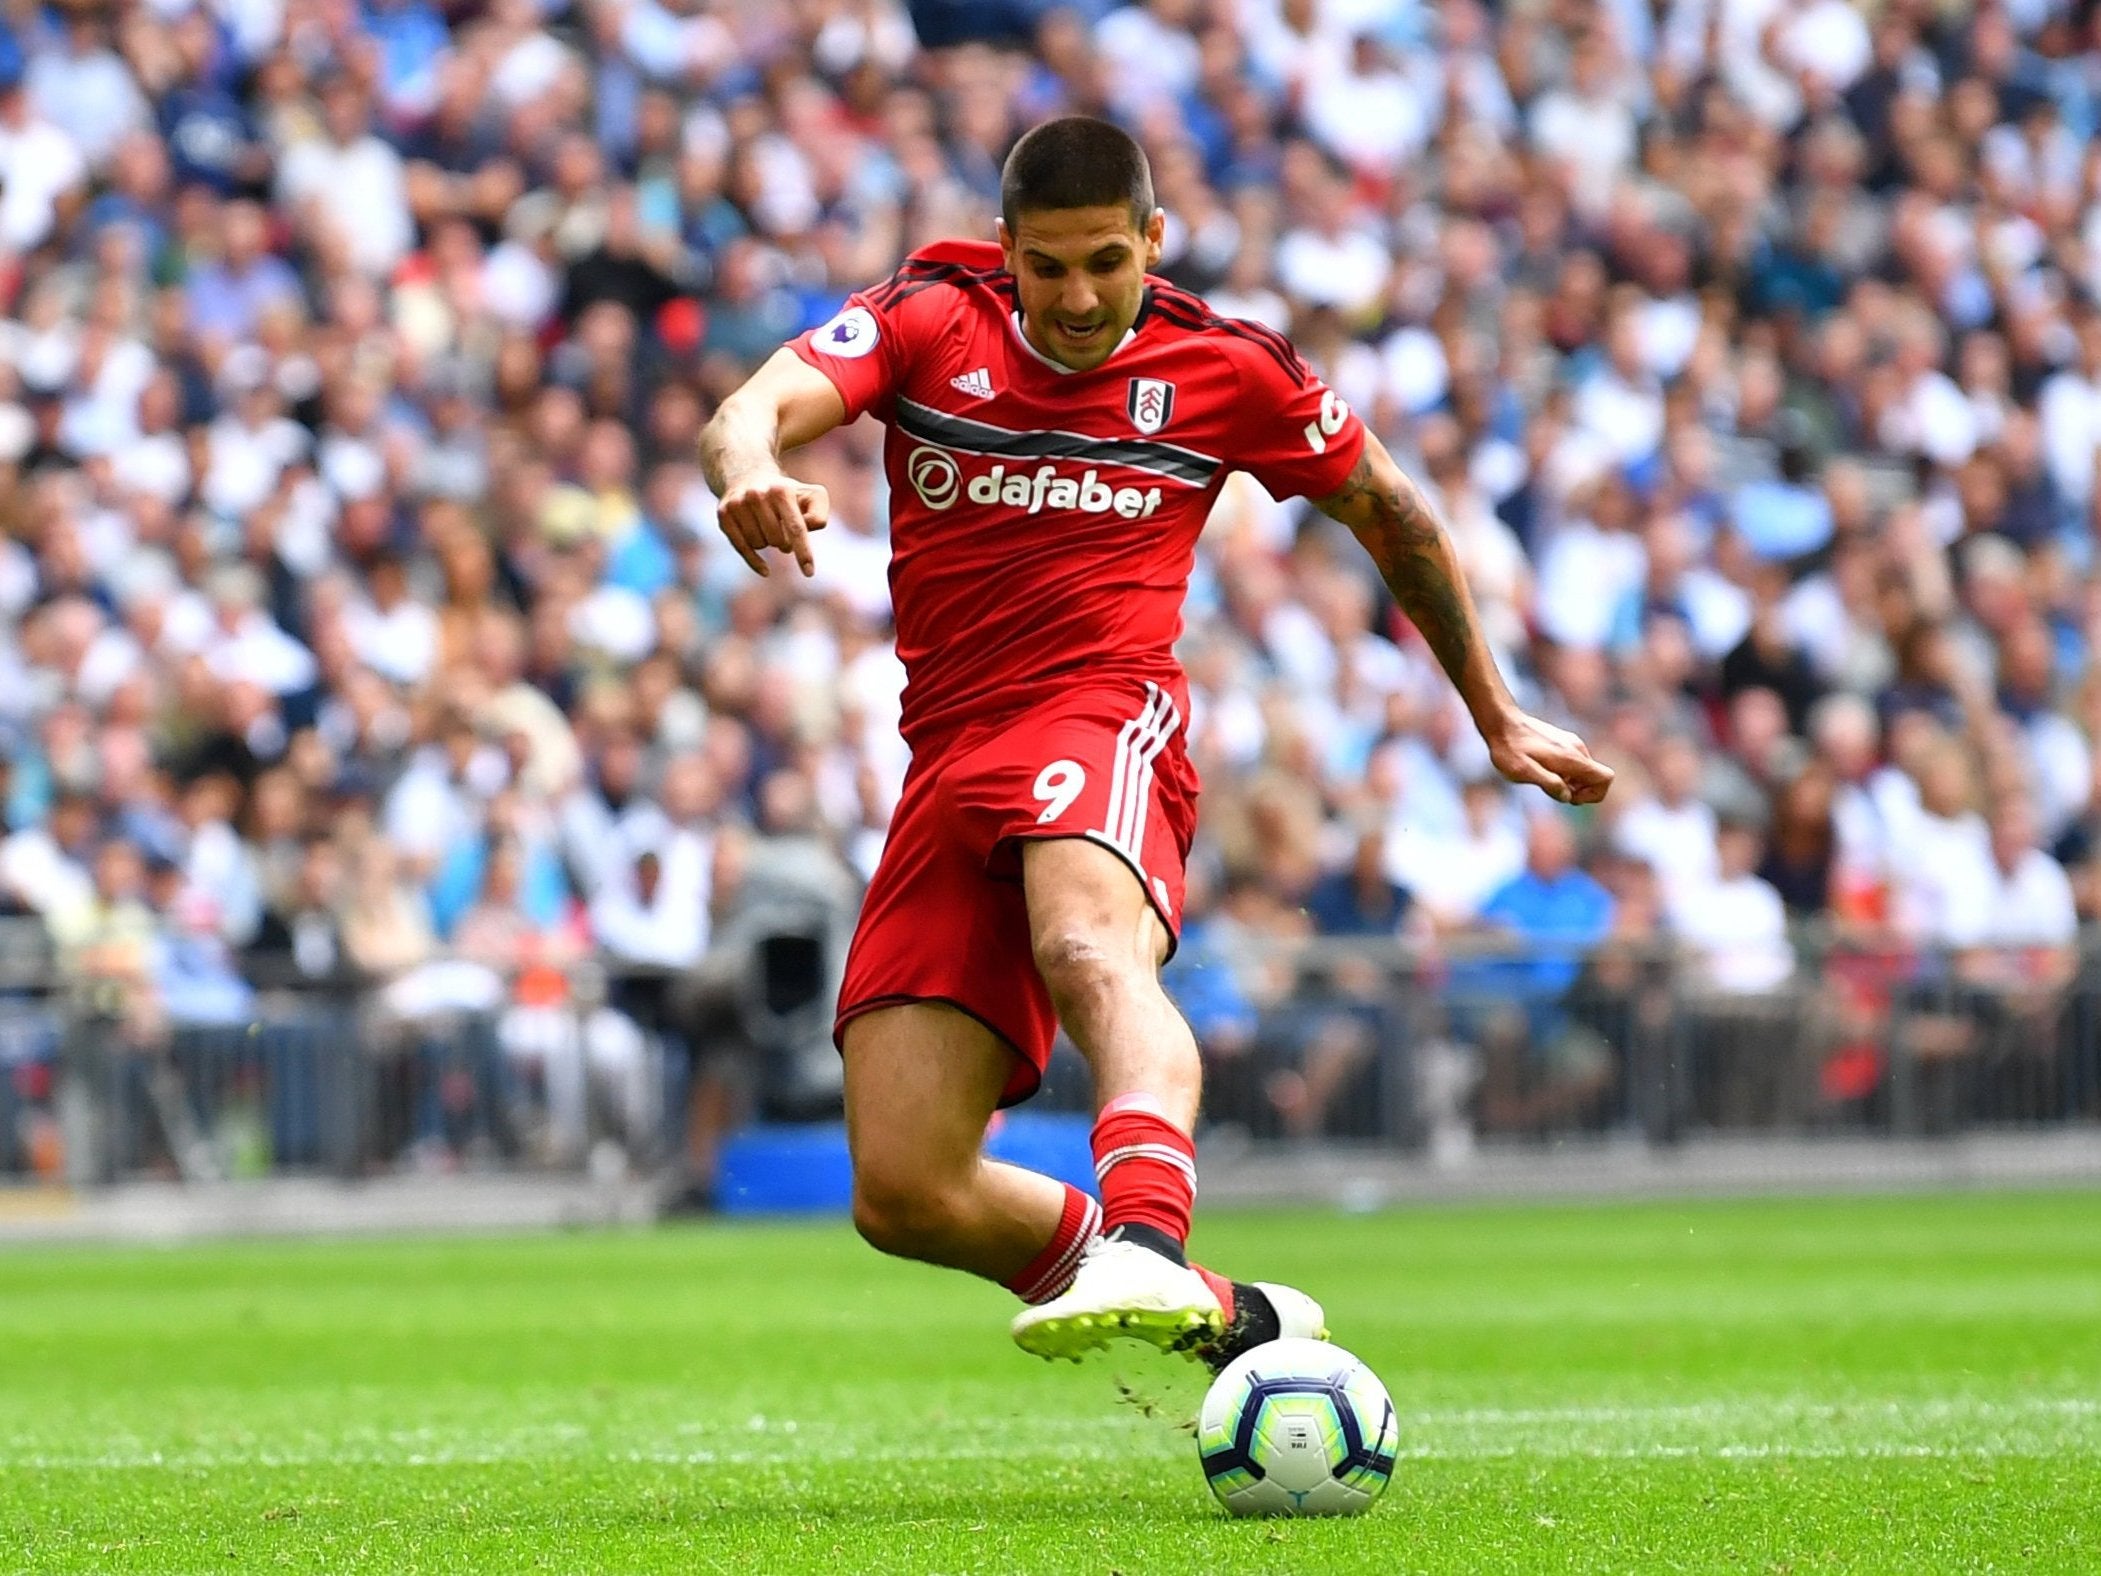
pixel 1432 1050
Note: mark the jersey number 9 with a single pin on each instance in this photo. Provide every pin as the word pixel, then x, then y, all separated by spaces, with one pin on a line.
pixel 1059 783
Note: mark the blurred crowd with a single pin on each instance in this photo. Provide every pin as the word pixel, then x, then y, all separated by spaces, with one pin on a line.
pixel 361 606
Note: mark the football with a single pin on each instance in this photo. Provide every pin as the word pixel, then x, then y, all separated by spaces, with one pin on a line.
pixel 1297 1428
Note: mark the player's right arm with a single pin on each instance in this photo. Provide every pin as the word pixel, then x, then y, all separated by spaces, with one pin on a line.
pixel 813 383
pixel 782 406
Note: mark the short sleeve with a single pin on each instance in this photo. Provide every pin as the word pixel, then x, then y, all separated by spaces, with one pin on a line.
pixel 857 349
pixel 1296 436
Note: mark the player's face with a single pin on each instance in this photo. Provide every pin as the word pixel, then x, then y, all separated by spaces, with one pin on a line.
pixel 1080 273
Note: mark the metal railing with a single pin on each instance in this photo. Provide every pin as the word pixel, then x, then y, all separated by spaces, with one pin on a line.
pixel 1437 1045
pixel 451 1065
pixel 1407 1047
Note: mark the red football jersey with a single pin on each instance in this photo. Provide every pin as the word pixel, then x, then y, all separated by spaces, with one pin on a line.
pixel 1043 521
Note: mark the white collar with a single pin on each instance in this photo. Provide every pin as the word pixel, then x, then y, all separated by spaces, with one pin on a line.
pixel 1022 334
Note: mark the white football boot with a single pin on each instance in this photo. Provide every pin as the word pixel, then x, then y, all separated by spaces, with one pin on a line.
pixel 1126 1290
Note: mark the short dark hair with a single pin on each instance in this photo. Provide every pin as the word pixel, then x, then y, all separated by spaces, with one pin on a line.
pixel 1076 162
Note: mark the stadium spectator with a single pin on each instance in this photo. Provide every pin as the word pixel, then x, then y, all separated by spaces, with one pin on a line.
pixel 194 975
pixel 300 938
pixel 107 944
pixel 2020 920
pixel 42 170
pixel 1801 854
pixel 419 1001
pixel 570 1049
pixel 1326 1041
pixel 345 185
pixel 1535 933
pixel 1942 866
pixel 1452 873
pixel 1259 1034
pixel 228 298
pixel 1734 924
pixel 1554 906
pixel 1671 829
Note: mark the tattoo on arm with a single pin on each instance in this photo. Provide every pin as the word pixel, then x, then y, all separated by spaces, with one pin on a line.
pixel 1388 513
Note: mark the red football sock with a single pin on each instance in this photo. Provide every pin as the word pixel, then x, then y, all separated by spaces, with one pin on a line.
pixel 1051 1271
pixel 1146 1165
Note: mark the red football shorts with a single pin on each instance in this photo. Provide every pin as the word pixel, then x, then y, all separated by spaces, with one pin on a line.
pixel 944 918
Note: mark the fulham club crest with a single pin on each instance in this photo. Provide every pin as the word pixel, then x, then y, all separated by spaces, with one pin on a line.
pixel 1151 402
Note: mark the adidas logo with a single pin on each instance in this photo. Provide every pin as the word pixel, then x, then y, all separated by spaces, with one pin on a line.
pixel 977 384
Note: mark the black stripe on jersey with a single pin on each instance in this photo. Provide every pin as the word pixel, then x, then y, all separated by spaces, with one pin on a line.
pixel 911 288
pixel 929 273
pixel 1280 349
pixel 1190 312
pixel 935 268
pixel 981 437
pixel 1145 309
pixel 913 277
pixel 1193 306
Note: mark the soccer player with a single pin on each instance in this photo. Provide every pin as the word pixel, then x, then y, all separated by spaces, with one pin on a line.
pixel 1059 425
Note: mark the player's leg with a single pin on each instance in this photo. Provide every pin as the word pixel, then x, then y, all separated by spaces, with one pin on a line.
pixel 922 1081
pixel 1098 945
pixel 1080 814
pixel 942 1020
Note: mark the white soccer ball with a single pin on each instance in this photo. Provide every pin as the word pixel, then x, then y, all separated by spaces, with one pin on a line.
pixel 1297 1428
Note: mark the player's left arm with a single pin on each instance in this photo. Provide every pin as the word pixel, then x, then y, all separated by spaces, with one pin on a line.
pixel 1388 513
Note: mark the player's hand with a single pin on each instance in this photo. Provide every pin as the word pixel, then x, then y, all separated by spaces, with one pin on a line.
pixel 772 510
pixel 1526 750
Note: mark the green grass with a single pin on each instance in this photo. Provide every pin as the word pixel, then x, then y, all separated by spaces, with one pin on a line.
pixel 1901 1385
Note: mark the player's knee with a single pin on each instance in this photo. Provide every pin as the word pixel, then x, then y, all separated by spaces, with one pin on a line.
pixel 1078 966
pixel 906 1215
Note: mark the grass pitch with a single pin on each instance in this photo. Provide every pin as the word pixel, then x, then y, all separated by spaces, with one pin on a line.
pixel 1901 1385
